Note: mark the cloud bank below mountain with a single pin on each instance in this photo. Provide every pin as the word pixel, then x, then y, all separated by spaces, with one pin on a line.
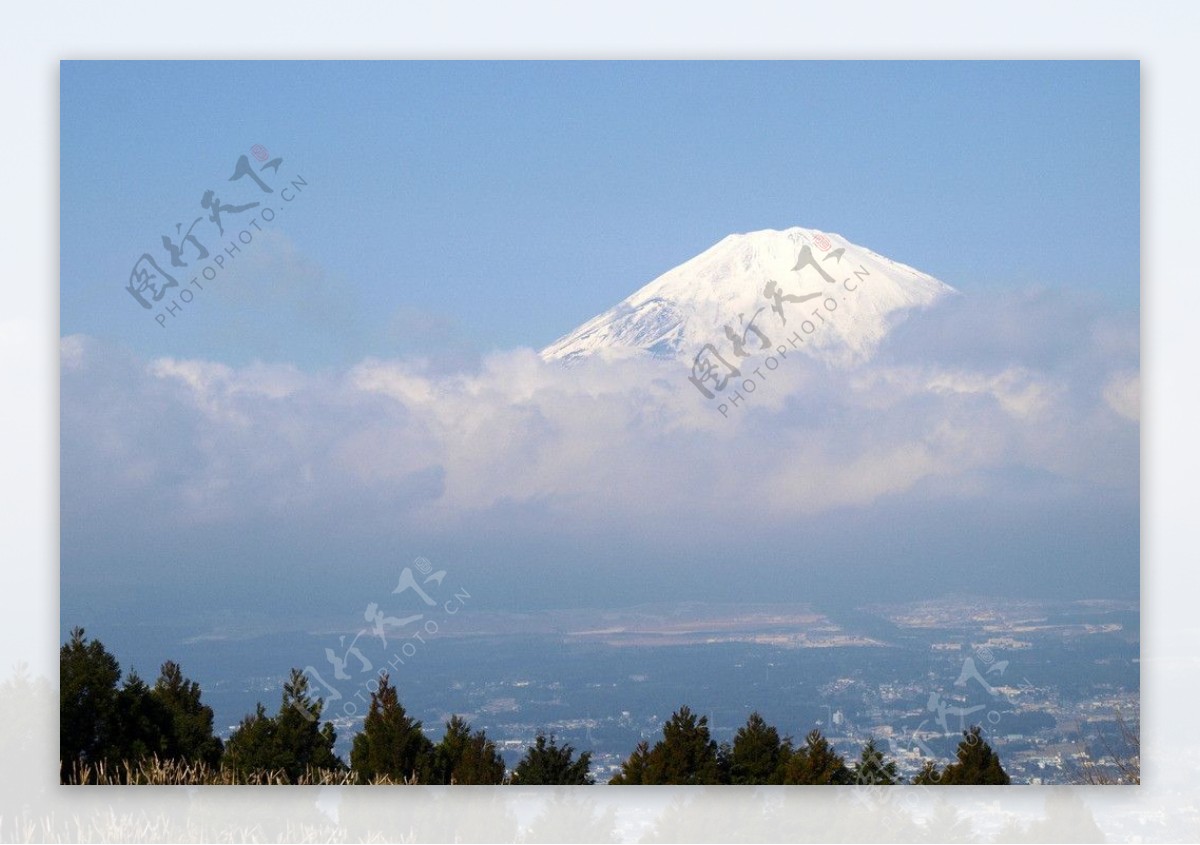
pixel 1007 407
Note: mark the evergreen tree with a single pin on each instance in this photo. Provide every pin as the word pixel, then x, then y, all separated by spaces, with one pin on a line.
pixel 88 677
pixel 816 762
pixel 547 763
pixel 724 762
pixel 929 775
pixel 304 739
pixel 756 753
pixel 463 757
pixel 294 741
pixel 103 723
pixel 686 754
pixel 142 725
pixel 976 762
pixel 255 746
pixel 872 770
pixel 192 737
pixel 633 770
pixel 390 742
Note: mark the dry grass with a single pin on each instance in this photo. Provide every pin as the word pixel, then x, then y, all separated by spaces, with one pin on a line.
pixel 155 772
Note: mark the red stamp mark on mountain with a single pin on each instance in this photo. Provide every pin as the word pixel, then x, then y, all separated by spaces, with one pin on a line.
pixel 821 242
pixel 259 152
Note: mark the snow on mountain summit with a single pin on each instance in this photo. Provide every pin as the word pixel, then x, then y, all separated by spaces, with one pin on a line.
pixel 756 287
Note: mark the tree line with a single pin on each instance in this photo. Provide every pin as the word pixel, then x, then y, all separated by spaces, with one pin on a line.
pixel 687 754
pixel 108 725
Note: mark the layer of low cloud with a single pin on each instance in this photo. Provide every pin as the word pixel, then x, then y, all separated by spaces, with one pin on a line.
pixel 964 403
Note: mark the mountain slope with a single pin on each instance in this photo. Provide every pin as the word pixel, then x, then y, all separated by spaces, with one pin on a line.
pixel 771 280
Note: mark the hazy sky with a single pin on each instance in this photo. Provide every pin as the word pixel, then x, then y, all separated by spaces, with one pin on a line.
pixel 359 386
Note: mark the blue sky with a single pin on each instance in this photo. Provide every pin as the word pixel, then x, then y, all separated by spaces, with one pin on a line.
pixel 490 206
pixel 358 388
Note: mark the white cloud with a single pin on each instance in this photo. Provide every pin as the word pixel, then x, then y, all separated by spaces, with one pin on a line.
pixel 71 350
pixel 630 439
pixel 1123 393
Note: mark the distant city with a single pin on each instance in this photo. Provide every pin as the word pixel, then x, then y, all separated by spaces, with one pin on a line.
pixel 1055 685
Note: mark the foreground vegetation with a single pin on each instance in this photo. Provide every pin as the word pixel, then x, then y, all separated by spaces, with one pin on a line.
pixel 114 732
pixel 758 755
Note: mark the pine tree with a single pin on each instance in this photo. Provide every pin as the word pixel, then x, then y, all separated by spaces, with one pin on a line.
pixel 687 754
pixel 390 742
pixel 756 753
pixel 976 762
pixel 929 775
pixel 872 770
pixel 103 723
pixel 88 677
pixel 294 741
pixel 633 770
pixel 816 762
pixel 142 726
pixel 547 763
pixel 254 745
pixel 724 762
pixel 463 757
pixel 193 739
pixel 300 730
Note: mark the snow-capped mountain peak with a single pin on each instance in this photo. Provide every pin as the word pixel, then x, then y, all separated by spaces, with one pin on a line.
pixel 747 290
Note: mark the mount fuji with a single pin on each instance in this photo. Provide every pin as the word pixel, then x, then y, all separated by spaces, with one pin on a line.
pixel 757 287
